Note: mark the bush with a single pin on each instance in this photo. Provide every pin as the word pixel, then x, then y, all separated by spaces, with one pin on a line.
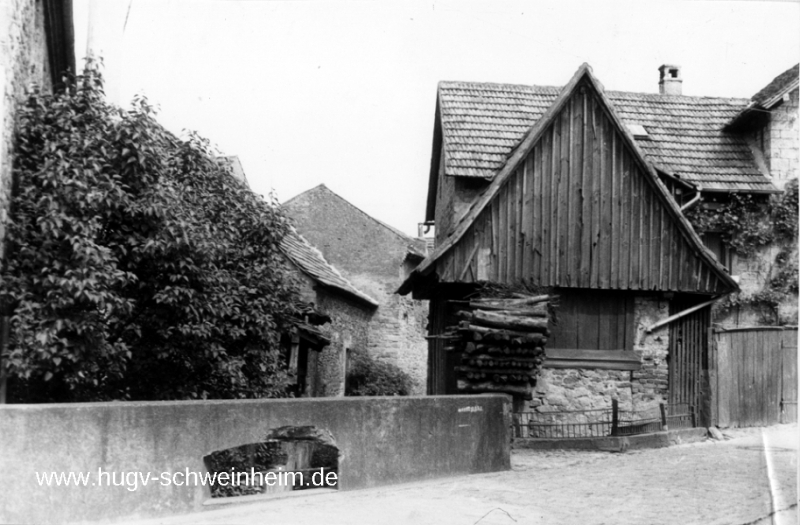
pixel 137 267
pixel 369 377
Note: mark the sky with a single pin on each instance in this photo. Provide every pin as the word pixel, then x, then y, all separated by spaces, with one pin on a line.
pixel 344 93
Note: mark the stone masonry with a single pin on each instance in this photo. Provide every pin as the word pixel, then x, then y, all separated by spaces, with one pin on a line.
pixel 754 272
pixel 23 61
pixel 374 257
pixel 778 142
pixel 348 330
pixel 782 141
pixel 587 389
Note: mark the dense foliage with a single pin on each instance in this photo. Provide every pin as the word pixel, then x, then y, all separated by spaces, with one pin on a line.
pixel 748 224
pixel 370 377
pixel 136 266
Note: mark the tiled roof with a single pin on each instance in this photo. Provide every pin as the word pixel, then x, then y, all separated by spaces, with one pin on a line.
pixel 483 122
pixel 311 262
pixel 778 86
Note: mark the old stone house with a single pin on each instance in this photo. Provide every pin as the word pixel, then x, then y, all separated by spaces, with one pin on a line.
pixel 769 124
pixel 582 191
pixel 336 313
pixel 36 47
pixel 376 258
pixel 318 354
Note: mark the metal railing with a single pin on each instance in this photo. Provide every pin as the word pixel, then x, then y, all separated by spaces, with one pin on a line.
pixel 601 422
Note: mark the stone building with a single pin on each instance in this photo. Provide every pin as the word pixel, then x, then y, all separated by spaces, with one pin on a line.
pixel 769 122
pixel 36 47
pixel 583 192
pixel 337 313
pixel 319 354
pixel 376 258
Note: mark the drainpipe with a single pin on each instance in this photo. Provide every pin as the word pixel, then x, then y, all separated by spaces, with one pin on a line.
pixel 677 316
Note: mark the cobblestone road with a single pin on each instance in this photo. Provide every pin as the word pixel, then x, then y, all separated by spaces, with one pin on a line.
pixel 750 479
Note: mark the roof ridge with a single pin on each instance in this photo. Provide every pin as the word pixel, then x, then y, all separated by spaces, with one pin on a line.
pixel 321 184
pixel 447 83
pixel 392 229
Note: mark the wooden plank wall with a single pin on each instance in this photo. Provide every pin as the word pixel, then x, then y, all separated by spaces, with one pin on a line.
pixel 756 370
pixel 593 320
pixel 789 377
pixel 580 212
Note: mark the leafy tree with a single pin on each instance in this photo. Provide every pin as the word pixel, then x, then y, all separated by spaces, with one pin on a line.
pixel 136 266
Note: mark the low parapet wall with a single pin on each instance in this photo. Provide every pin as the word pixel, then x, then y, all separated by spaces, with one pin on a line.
pixel 381 440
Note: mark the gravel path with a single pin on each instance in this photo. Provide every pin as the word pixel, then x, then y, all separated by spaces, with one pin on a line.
pixel 750 479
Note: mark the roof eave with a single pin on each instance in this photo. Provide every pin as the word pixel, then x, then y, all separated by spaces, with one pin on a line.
pixel 773 191
pixel 364 299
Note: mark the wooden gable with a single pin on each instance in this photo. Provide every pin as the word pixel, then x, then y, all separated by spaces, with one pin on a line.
pixel 578 207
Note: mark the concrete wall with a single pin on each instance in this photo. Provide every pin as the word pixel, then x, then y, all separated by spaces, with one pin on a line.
pixel 370 255
pixel 381 441
pixel 585 389
pixel 23 61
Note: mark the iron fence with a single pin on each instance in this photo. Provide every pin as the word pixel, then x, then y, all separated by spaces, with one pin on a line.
pixel 601 422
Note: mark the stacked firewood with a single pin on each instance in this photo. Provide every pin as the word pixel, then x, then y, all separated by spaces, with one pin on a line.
pixel 502 343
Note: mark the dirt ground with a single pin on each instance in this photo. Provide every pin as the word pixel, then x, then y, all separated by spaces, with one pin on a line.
pixel 749 479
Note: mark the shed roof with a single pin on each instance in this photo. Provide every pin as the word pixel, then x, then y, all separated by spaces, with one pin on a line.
pixel 482 123
pixel 311 262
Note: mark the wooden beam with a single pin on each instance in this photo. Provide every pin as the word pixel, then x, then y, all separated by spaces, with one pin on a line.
pixel 681 314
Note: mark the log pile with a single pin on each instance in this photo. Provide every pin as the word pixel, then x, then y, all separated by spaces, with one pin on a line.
pixel 502 343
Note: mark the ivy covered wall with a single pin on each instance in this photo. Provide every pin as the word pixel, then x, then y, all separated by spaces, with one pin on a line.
pixel 760 236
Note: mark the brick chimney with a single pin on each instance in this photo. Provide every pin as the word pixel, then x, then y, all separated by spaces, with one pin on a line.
pixel 670 81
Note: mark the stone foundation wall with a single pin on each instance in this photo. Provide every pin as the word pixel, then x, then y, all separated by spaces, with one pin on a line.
pixel 590 389
pixel 23 61
pixel 650 384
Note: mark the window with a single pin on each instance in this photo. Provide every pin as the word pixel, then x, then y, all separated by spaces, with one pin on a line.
pixel 593 329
